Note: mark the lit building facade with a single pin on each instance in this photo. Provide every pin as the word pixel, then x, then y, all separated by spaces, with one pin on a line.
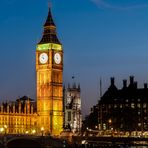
pixel 124 109
pixel 45 116
pixel 18 117
pixel 72 108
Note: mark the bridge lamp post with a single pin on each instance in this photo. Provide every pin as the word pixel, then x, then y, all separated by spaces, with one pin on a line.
pixel 5 127
pixel 42 131
pixel 42 138
pixel 1 130
pixel 26 132
pixel 33 131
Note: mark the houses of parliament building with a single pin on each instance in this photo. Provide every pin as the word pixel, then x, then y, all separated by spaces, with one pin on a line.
pixel 45 115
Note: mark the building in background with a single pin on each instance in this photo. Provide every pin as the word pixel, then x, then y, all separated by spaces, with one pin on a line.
pixel 125 109
pixel 72 108
pixel 120 111
pixel 91 120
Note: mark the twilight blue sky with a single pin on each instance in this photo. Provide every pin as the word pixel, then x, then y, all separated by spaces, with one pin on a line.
pixel 101 38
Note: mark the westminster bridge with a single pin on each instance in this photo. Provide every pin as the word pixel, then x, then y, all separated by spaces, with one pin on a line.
pixel 31 141
pixel 109 141
pixel 28 141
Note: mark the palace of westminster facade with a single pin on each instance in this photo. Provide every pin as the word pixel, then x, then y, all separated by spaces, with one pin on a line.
pixel 48 114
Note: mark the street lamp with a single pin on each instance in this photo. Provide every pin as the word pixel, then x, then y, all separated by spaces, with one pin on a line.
pixel 42 130
pixel 1 130
pixel 33 131
pixel 5 127
pixel 26 132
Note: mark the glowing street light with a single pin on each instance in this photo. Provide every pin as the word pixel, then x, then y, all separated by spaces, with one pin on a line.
pixel 26 132
pixel 109 121
pixel 5 128
pixel 33 131
pixel 42 130
pixel 1 129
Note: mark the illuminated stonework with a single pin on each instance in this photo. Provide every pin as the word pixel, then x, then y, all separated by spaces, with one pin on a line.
pixel 72 108
pixel 49 81
pixel 18 117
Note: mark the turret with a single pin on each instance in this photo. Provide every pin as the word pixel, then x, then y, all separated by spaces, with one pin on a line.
pixel 19 106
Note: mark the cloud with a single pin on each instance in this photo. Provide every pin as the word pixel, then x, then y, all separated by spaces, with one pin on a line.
pixel 104 4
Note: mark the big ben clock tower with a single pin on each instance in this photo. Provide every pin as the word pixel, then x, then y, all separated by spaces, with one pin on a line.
pixel 49 70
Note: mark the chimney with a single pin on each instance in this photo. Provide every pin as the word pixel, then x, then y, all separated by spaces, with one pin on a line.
pixel 112 80
pixel 124 83
pixel 131 79
pixel 145 85
pixel 135 85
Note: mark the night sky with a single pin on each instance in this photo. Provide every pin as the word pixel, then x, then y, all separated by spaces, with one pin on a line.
pixel 101 38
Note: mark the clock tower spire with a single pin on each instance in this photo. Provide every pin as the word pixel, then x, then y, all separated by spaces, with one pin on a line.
pixel 49 34
pixel 49 70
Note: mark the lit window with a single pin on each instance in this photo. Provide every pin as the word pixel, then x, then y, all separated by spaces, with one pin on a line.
pixel 132 105
pixel 144 105
pixel 104 126
pixel 138 105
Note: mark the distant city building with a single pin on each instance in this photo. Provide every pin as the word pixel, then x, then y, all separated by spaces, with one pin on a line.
pixel 124 109
pixel 72 108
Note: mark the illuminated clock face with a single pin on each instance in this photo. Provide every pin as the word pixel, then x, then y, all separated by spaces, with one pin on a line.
pixel 57 58
pixel 43 58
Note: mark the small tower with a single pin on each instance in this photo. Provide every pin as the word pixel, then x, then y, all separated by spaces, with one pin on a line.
pixel 72 108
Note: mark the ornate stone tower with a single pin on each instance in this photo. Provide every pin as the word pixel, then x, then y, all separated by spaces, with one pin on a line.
pixel 72 108
pixel 49 70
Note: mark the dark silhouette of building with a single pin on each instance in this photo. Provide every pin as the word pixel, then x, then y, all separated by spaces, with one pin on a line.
pixel 124 109
pixel 91 120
